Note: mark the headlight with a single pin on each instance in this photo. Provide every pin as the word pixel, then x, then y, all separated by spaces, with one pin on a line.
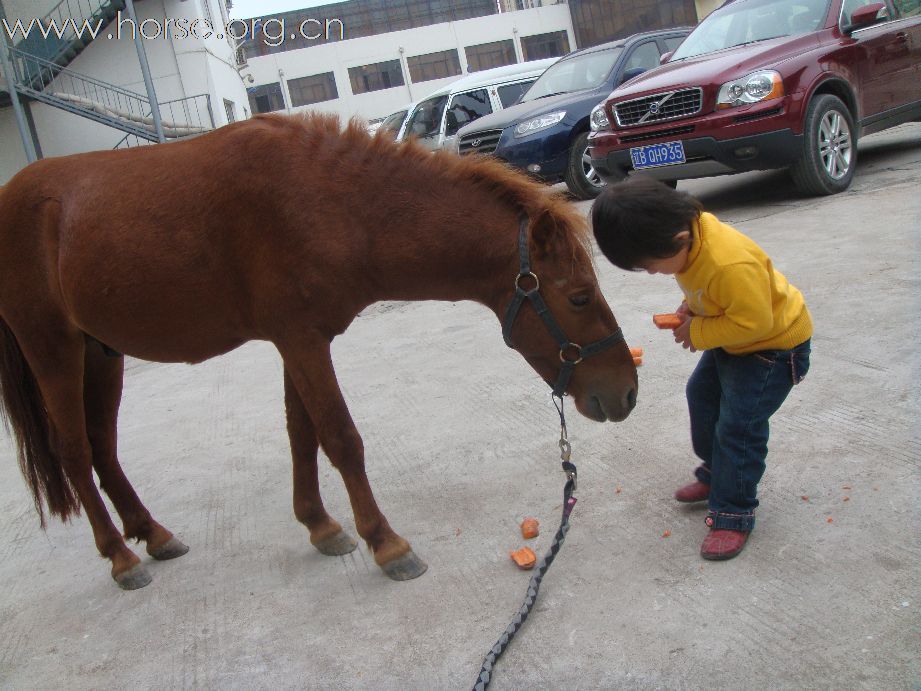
pixel 758 86
pixel 537 124
pixel 598 120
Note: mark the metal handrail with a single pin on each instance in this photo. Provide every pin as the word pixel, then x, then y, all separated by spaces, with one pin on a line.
pixel 47 81
pixel 63 18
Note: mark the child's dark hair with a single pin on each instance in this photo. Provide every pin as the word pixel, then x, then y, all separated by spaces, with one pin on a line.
pixel 638 219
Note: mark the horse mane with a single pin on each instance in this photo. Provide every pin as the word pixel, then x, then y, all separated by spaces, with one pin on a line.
pixel 521 192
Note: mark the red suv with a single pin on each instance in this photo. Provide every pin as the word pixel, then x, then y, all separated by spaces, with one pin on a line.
pixel 763 84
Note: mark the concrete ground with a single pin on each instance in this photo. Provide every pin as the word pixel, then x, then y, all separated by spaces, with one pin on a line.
pixel 461 439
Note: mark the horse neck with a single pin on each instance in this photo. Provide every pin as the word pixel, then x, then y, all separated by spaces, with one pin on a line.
pixel 451 257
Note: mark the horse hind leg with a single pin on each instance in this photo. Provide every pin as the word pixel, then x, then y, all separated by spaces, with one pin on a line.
pixel 325 533
pixel 102 389
pixel 55 356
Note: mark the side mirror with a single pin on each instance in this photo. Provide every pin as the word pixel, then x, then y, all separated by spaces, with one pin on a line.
pixel 631 73
pixel 665 56
pixel 865 16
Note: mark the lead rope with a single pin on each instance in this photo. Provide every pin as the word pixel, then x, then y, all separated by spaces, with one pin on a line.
pixel 543 565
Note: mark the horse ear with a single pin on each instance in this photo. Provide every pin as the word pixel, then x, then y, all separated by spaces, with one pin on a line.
pixel 545 232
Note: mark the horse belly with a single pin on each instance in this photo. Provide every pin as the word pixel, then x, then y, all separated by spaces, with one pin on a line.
pixel 161 311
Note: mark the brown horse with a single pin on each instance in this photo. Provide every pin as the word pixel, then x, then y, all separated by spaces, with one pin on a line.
pixel 277 229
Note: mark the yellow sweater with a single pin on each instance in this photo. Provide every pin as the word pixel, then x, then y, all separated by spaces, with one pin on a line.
pixel 740 302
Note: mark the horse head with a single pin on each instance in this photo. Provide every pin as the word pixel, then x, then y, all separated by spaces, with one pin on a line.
pixel 560 322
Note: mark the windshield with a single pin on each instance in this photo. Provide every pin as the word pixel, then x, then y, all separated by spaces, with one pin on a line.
pixel 580 72
pixel 747 21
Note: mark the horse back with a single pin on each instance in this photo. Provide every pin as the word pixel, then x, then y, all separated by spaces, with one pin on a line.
pixel 163 252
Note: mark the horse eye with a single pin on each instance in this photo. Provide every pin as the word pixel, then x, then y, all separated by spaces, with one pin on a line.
pixel 580 300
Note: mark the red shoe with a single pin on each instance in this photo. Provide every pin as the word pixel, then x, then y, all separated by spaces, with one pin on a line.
pixel 696 491
pixel 722 544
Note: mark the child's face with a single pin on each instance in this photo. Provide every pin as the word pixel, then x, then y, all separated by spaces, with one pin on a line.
pixel 670 265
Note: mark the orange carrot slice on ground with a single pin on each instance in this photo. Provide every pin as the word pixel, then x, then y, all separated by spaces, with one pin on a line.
pixel 524 558
pixel 637 361
pixel 667 321
pixel 638 352
pixel 530 528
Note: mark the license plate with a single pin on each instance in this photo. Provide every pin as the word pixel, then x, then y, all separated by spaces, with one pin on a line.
pixel 653 155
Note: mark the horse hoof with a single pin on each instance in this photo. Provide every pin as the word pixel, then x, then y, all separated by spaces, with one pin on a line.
pixel 170 549
pixel 134 578
pixel 405 568
pixel 337 545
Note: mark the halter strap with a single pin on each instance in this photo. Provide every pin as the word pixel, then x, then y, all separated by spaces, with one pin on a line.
pixel 534 296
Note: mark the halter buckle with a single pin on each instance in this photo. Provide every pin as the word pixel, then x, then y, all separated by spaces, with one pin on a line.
pixel 566 347
pixel 528 274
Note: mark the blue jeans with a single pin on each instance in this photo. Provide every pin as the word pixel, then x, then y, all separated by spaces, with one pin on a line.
pixel 731 398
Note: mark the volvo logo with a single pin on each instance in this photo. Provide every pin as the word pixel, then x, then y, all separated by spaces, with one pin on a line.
pixel 654 108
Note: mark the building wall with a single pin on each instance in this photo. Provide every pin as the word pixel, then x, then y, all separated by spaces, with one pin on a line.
pixel 180 68
pixel 338 57
pixel 597 21
pixel 705 7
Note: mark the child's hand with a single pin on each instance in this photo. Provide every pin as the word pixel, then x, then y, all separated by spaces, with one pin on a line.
pixel 683 333
pixel 683 309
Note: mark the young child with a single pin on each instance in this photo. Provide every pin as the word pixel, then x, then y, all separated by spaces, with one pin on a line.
pixel 752 325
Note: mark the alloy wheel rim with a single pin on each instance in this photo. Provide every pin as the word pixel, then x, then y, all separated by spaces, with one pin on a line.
pixel 835 146
pixel 588 170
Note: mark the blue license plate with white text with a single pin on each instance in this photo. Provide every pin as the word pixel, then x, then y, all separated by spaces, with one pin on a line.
pixel 653 155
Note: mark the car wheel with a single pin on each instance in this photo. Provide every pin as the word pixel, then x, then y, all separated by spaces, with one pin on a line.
pixel 581 177
pixel 829 148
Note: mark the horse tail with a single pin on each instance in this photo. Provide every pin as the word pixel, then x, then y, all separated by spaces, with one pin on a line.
pixel 26 417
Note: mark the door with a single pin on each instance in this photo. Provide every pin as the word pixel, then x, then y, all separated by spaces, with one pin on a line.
pixel 882 63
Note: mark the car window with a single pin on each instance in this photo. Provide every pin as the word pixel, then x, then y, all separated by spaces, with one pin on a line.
pixel 510 94
pixel 644 56
pixel 465 108
pixel 426 118
pixel 748 21
pixel 908 8
pixel 578 73
pixel 672 44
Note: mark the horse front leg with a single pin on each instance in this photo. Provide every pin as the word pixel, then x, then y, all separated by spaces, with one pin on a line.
pixel 310 368
pixel 325 533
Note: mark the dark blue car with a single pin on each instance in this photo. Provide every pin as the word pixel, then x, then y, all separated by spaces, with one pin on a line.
pixel 546 133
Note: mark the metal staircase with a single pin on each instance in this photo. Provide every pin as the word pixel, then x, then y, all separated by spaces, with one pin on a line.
pixel 63 33
pixel 38 64
pixel 47 82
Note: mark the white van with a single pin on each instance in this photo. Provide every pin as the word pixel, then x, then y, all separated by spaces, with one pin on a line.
pixel 435 120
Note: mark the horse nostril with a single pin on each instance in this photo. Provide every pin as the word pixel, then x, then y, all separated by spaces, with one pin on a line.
pixel 631 399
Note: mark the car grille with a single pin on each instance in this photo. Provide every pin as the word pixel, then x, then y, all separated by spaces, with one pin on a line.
pixel 646 136
pixel 668 105
pixel 479 143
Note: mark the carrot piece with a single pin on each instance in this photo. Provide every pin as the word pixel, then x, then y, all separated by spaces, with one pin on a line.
pixel 530 528
pixel 667 321
pixel 637 361
pixel 524 558
pixel 667 533
pixel 636 352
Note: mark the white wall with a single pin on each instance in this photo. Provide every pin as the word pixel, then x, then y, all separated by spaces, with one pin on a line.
pixel 339 56
pixel 180 67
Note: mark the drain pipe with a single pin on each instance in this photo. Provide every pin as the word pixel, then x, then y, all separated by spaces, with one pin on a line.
pixel 145 70
pixel 21 123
